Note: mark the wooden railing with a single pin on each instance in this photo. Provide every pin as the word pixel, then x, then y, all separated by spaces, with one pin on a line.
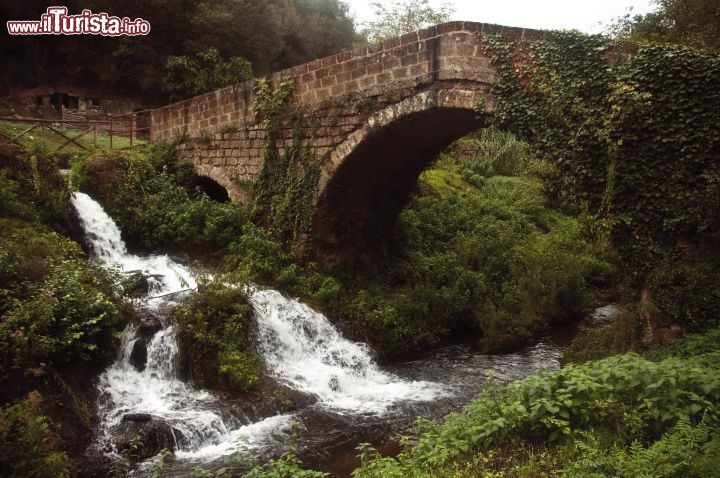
pixel 132 126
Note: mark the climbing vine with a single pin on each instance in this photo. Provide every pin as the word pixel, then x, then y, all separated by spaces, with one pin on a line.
pixel 288 178
pixel 633 130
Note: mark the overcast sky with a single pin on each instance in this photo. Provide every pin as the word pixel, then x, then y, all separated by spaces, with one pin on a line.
pixel 583 15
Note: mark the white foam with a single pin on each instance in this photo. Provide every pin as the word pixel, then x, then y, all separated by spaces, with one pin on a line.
pixel 304 349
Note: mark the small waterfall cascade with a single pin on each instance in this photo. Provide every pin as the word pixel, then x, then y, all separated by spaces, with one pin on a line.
pixel 297 343
pixel 150 390
pixel 304 349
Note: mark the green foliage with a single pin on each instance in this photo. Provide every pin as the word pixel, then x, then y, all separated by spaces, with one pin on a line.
pixel 158 470
pixel 208 71
pixel 632 139
pixel 155 203
pixel 12 204
pixel 686 449
pixel 690 345
pixel 490 258
pixel 28 447
pixel 687 291
pixel 619 336
pixel 621 416
pixel 688 22
pixel 287 466
pixel 393 19
pixel 288 179
pixel 257 255
pixel 498 154
pixel 214 338
pixel 127 458
pixel 57 310
pixel 56 306
pixel 32 188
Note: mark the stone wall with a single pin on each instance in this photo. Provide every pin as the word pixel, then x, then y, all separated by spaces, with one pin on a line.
pixel 337 94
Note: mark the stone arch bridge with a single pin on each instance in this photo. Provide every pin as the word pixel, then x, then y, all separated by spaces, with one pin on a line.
pixel 381 115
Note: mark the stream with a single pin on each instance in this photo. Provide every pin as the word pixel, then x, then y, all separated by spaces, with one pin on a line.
pixel 351 399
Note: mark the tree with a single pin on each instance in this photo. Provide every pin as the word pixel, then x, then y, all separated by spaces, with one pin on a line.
pixel 270 34
pixel 403 16
pixel 206 72
pixel 687 22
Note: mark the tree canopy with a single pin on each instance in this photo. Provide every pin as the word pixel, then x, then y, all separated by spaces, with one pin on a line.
pixel 271 35
pixel 687 22
pixel 403 16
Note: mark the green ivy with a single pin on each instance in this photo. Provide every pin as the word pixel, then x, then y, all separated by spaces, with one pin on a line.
pixel 633 133
pixel 288 179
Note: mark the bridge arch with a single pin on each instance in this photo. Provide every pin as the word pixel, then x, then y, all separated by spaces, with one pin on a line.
pixel 370 176
pixel 212 189
pixel 215 181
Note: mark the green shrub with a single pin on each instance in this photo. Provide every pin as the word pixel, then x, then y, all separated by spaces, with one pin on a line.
pixel 12 205
pixel 27 444
pixel 35 181
pixel 155 203
pixel 499 153
pixel 631 131
pixel 685 450
pixel 626 403
pixel 214 338
pixel 690 345
pixel 57 307
pixel 618 337
pixel 490 259
pixel 72 315
pixel 688 292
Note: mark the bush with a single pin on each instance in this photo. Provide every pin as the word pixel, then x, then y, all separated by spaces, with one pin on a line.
pixel 498 153
pixel 688 292
pixel 623 407
pixel 12 204
pixel 213 337
pixel 31 187
pixel 620 336
pixel 490 259
pixel 27 444
pixel 155 203
pixel 57 307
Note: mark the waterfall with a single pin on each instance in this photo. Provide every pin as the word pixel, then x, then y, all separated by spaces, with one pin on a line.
pixel 155 390
pixel 303 348
pixel 298 344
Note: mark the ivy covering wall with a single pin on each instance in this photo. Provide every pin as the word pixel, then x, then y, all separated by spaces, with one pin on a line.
pixel 634 134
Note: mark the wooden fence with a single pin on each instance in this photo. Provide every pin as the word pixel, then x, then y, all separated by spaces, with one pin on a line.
pixel 130 126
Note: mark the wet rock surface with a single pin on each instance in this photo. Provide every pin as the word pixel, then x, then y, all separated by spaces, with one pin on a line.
pixel 138 356
pixel 150 433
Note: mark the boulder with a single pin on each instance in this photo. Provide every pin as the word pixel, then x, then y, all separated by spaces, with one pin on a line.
pixel 154 435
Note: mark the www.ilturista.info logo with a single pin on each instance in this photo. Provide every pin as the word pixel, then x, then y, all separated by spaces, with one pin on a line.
pixel 56 21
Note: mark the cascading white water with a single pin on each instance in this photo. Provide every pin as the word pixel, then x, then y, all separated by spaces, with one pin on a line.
pixel 107 247
pixel 297 343
pixel 303 348
pixel 155 391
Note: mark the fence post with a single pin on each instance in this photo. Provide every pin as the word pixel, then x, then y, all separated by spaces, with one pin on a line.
pixel 111 131
pixel 132 126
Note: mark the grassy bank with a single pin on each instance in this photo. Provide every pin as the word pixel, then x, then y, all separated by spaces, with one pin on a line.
pixel 49 141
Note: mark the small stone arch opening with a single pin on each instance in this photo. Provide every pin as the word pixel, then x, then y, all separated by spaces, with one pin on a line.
pixel 212 188
pixel 358 207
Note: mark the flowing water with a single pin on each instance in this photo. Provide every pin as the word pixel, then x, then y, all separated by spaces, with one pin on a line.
pixel 353 399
